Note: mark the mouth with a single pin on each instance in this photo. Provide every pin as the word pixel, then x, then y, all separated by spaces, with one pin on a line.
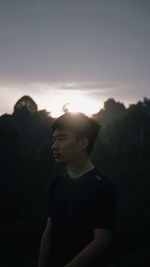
pixel 56 155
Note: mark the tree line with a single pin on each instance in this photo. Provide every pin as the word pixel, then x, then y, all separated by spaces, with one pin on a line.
pixel 27 170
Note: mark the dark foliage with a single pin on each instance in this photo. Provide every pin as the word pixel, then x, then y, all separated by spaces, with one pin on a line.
pixel 27 169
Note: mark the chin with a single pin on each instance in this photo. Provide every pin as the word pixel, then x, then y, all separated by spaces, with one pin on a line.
pixel 61 161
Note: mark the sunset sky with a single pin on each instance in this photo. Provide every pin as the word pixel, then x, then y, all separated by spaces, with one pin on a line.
pixel 80 52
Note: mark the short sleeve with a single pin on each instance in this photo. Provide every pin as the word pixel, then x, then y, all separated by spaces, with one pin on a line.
pixel 105 211
pixel 50 198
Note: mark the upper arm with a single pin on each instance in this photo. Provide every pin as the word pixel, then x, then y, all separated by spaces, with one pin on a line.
pixel 104 215
pixel 102 234
pixel 103 237
pixel 48 226
pixel 103 211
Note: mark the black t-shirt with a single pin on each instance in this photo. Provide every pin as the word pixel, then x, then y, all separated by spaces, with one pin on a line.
pixel 77 206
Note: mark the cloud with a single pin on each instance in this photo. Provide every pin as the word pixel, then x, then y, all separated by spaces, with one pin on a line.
pixel 84 87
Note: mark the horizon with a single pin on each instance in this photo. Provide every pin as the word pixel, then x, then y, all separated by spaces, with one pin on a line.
pixel 66 105
pixel 59 51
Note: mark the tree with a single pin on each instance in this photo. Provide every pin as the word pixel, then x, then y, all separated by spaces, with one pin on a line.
pixel 25 103
pixel 112 111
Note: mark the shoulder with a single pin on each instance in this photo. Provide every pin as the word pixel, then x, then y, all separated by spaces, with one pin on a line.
pixel 102 177
pixel 103 182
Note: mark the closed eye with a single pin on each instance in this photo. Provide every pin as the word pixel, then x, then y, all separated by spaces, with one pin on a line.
pixel 59 137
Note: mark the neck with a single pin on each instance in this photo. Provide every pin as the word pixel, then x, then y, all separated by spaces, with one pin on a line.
pixel 79 167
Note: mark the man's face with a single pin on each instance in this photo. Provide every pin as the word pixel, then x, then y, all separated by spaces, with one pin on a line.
pixel 66 147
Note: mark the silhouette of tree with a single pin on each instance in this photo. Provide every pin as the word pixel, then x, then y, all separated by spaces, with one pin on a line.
pixel 146 103
pixel 112 110
pixel 25 103
pixel 27 168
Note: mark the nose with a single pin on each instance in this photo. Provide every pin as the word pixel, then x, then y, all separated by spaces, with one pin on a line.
pixel 54 145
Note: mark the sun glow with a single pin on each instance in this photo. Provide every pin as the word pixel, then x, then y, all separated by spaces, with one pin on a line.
pixel 75 101
pixel 81 104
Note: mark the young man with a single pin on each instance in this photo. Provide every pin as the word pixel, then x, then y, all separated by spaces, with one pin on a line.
pixel 81 214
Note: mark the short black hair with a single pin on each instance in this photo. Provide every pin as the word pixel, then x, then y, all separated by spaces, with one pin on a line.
pixel 80 124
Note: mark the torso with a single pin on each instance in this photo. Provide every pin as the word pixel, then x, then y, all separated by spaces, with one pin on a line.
pixel 73 204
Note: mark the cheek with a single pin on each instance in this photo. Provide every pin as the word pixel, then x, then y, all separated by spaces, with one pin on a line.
pixel 70 148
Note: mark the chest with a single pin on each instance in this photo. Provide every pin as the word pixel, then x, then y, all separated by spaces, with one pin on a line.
pixel 74 202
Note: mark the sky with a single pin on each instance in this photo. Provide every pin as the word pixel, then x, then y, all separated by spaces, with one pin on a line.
pixel 79 52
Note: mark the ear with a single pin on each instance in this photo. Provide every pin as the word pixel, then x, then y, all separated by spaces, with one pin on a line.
pixel 83 143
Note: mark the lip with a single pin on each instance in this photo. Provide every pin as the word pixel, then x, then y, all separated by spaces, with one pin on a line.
pixel 56 155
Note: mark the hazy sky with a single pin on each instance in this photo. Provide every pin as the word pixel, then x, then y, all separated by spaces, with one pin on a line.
pixel 77 51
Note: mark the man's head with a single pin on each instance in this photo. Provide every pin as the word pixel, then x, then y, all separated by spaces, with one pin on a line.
pixel 74 135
